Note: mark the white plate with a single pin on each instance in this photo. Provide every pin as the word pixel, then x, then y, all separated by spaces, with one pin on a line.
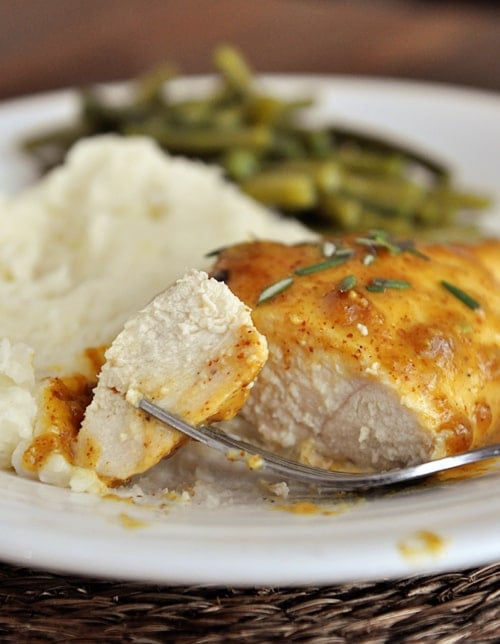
pixel 427 528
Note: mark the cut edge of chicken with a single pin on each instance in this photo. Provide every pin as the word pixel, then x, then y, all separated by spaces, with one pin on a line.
pixel 193 350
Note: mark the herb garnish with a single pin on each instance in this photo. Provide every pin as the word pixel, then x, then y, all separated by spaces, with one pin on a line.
pixel 408 246
pixel 336 260
pixel 379 284
pixel 379 239
pixel 335 256
pixel 461 295
pixel 274 289
pixel 216 251
pixel 348 283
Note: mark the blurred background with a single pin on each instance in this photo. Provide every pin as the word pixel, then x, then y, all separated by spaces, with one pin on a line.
pixel 49 44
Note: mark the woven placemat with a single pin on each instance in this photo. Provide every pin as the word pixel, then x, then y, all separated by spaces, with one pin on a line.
pixel 446 608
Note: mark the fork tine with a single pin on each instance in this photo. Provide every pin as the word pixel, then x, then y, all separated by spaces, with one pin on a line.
pixel 265 461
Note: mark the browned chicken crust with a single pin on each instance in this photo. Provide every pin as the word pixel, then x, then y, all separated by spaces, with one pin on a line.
pixel 389 358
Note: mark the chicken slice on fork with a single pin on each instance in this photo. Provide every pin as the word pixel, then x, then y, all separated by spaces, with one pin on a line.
pixel 194 351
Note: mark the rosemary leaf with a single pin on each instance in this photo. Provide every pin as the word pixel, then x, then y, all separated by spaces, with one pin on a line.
pixel 461 295
pixel 215 251
pixel 274 289
pixel 378 242
pixel 418 253
pixel 321 266
pixel 379 284
pixel 408 246
pixel 348 283
pixel 374 288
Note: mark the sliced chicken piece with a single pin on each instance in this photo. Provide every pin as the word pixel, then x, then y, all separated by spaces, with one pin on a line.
pixel 380 354
pixel 194 351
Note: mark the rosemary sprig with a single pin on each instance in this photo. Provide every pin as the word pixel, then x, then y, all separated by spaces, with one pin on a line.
pixel 461 295
pixel 408 246
pixel 274 289
pixel 336 260
pixel 216 251
pixel 348 283
pixel 379 239
pixel 380 284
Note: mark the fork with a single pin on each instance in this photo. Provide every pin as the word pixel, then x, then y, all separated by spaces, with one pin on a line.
pixel 261 460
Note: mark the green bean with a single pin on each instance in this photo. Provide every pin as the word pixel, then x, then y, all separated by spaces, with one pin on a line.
pixel 230 116
pixel 434 210
pixel 286 146
pixel 469 200
pixel 325 173
pixel 319 143
pixel 234 69
pixel 333 178
pixel 149 88
pixel 203 141
pixel 392 194
pixel 193 113
pixel 344 212
pixel 441 205
pixel 350 214
pixel 272 110
pixel 240 163
pixel 292 191
pixel 355 159
pixel 373 141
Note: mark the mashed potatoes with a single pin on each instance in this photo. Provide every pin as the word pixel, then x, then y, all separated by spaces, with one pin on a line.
pixel 83 249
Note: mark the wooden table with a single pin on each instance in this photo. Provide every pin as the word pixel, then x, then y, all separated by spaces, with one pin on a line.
pixel 51 44
pixel 56 43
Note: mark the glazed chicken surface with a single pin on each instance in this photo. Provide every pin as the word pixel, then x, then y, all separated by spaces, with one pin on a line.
pixel 381 354
pixel 192 350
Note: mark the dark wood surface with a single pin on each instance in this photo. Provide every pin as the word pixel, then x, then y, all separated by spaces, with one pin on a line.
pixel 48 44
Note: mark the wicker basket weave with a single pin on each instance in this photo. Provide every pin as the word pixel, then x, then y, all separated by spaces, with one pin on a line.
pixel 445 608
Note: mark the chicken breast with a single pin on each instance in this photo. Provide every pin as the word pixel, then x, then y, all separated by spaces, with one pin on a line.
pixel 194 351
pixel 488 254
pixel 380 354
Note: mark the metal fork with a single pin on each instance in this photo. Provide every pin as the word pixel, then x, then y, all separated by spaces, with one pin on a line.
pixel 263 461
